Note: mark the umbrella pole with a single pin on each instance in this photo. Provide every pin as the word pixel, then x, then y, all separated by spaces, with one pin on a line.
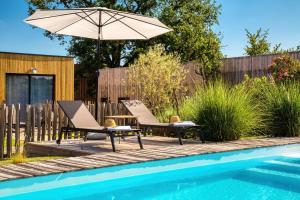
pixel 98 70
pixel 98 76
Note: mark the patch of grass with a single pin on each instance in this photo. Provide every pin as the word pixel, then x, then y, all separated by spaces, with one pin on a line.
pixel 18 158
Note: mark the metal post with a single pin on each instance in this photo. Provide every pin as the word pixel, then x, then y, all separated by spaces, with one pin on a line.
pixel 97 96
pixel 98 64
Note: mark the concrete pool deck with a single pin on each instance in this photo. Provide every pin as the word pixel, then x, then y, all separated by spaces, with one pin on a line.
pixel 95 154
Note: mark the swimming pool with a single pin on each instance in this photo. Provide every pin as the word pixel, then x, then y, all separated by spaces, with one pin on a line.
pixel 264 173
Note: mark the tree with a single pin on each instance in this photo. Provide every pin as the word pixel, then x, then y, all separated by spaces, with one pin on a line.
pixel 157 78
pixel 258 44
pixel 192 38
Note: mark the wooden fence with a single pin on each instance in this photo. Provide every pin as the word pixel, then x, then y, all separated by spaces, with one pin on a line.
pixel 113 87
pixel 234 69
pixel 42 123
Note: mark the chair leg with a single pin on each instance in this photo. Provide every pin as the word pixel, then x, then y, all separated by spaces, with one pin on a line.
pixel 85 136
pixel 140 140
pixel 111 135
pixel 58 141
pixel 178 132
pixel 201 136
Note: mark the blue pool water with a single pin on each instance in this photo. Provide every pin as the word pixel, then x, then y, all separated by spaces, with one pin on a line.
pixel 265 173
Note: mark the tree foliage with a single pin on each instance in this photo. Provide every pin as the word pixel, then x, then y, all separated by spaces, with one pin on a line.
pixel 193 37
pixel 158 79
pixel 258 44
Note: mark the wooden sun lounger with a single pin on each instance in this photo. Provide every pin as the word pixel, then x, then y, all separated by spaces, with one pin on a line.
pixel 82 120
pixel 147 120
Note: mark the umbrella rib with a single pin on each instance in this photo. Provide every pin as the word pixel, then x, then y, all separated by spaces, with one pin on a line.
pixel 52 16
pixel 109 19
pixel 90 18
pixel 142 20
pixel 128 26
pixel 84 18
pixel 110 10
pixel 105 24
pixel 81 18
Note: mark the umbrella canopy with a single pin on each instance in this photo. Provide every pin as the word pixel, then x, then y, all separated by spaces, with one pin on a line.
pixel 98 23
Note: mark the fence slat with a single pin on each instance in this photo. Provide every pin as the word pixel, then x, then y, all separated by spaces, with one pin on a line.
pixel 102 110
pixel 2 130
pixel 60 119
pixel 114 109
pixel 32 138
pixel 9 132
pixel 109 109
pixel 44 121
pixel 17 128
pixel 49 119
pixel 27 124
pixel 55 116
pixel 39 122
pixel 98 113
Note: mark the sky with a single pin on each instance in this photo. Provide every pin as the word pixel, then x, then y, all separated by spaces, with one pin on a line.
pixel 280 17
pixel 17 36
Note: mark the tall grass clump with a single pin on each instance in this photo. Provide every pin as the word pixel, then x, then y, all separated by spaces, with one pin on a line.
pixel 19 158
pixel 282 105
pixel 224 113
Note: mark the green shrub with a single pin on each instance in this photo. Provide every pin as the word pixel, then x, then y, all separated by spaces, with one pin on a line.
pixel 157 78
pixel 256 87
pixel 285 68
pixel 282 105
pixel 224 113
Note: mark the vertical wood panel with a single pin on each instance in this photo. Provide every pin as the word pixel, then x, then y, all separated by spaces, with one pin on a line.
pixel 17 128
pixel 33 114
pixel 2 130
pixel 9 132
pixel 39 123
pixel 28 123
pixel 49 119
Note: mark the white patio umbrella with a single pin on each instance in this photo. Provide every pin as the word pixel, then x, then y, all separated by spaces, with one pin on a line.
pixel 98 23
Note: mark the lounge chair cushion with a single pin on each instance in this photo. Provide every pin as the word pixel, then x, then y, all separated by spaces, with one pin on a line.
pixel 96 136
pixel 119 128
pixel 184 123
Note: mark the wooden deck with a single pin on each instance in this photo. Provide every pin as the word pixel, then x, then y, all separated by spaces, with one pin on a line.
pixel 98 154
